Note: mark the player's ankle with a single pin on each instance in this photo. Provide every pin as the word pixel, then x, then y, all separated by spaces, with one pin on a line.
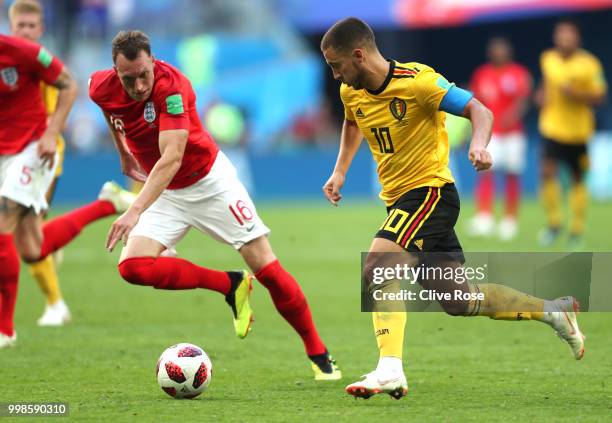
pixel 391 365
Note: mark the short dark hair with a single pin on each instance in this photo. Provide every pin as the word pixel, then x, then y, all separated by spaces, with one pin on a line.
pixel 569 22
pixel 500 39
pixel 347 34
pixel 130 44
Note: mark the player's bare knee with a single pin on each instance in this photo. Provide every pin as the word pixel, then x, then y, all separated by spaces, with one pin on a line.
pixel 10 215
pixel 28 248
pixel 368 272
pixel 257 253
pixel 374 273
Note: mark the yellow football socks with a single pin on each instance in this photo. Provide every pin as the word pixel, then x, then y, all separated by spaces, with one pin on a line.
pixel 389 330
pixel 551 199
pixel 504 303
pixel 44 273
pixel 578 198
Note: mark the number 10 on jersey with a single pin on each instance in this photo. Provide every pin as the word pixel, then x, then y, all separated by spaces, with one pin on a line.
pixel 383 137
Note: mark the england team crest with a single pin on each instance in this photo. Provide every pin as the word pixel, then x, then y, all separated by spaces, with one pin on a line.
pixel 9 76
pixel 149 112
pixel 398 108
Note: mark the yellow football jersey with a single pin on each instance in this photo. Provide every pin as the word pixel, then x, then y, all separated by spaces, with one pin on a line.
pixel 561 118
pixel 404 128
pixel 49 95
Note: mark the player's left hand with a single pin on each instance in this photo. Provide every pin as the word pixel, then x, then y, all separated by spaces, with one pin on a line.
pixel 47 146
pixel 481 159
pixel 121 228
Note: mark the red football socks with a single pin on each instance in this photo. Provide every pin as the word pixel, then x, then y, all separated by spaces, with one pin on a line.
pixel 513 194
pixel 485 191
pixel 173 273
pixel 9 277
pixel 291 304
pixel 61 230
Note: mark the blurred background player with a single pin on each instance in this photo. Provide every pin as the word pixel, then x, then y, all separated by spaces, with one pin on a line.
pixel 573 83
pixel 503 86
pixel 28 161
pixel 26 21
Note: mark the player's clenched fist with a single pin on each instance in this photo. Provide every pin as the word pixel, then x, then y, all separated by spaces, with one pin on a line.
pixel 480 158
pixel 331 189
pixel 121 228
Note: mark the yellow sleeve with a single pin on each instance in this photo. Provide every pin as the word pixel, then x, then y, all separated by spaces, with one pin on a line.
pixel 430 88
pixel 49 94
pixel 348 113
pixel 598 83
pixel 543 58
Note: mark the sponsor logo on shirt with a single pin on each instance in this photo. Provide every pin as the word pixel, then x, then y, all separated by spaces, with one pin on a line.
pixel 9 76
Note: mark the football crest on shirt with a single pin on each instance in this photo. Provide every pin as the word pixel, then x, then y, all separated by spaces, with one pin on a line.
pixel 149 112
pixel 9 76
pixel 398 108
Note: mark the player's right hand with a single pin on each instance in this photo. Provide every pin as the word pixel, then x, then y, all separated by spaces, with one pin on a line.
pixel 47 146
pixel 131 168
pixel 480 158
pixel 332 187
pixel 121 228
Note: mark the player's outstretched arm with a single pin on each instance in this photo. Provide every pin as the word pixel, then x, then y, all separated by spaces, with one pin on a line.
pixel 67 94
pixel 172 147
pixel 482 124
pixel 350 140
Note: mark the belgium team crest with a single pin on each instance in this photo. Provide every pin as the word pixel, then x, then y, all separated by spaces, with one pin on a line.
pixel 398 108
pixel 149 112
pixel 9 76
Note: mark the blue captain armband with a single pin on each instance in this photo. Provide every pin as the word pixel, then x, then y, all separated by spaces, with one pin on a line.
pixel 455 100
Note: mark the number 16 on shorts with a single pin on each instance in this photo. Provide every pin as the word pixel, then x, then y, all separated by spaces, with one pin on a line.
pixel 241 212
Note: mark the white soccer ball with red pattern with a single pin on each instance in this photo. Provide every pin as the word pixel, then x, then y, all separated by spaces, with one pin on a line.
pixel 184 371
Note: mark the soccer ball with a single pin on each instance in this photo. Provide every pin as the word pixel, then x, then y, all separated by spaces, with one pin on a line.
pixel 184 371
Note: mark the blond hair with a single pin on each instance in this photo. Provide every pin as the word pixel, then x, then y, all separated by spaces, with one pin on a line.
pixel 22 7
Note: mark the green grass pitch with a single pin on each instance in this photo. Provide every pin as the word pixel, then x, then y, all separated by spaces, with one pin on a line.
pixel 458 369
